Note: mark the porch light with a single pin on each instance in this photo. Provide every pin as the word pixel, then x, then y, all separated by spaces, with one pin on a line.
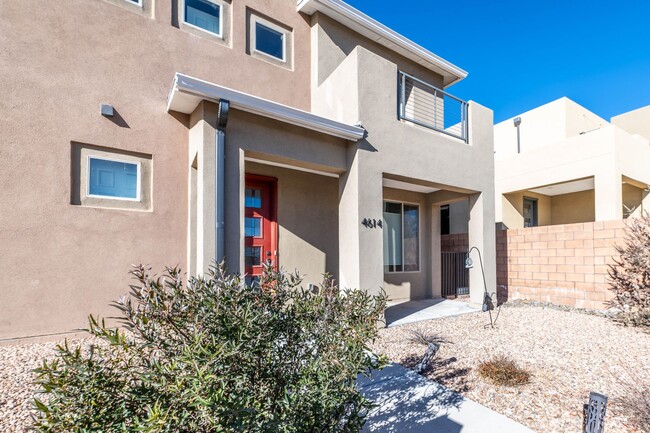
pixel 469 263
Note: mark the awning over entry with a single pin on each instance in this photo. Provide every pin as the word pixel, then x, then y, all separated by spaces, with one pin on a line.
pixel 187 92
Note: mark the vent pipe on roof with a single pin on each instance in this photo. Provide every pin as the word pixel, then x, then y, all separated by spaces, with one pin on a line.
pixel 517 122
pixel 219 180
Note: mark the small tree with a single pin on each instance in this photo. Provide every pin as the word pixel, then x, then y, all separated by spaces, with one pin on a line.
pixel 629 276
pixel 217 356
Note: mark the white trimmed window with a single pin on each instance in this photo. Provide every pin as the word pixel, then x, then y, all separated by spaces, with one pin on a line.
pixel 401 237
pixel 206 15
pixel 269 39
pixel 135 2
pixel 113 179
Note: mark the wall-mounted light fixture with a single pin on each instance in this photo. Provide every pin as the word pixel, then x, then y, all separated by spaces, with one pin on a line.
pixel 107 110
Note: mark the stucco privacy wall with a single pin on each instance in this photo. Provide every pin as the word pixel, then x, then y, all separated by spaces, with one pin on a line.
pixel 58 64
pixel 563 264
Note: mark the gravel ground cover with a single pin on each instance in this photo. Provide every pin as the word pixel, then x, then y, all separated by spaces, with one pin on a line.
pixel 16 388
pixel 569 353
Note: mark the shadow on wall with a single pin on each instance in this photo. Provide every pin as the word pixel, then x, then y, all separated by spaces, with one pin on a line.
pixel 406 402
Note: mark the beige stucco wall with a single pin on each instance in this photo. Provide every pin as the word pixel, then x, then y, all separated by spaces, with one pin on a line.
pixel 513 208
pixel 606 154
pixel 307 221
pixel 635 122
pixel 332 43
pixel 632 197
pixel 577 207
pixel 542 126
pixel 58 64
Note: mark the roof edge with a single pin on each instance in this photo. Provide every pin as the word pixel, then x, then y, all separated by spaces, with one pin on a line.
pixel 363 23
pixel 187 92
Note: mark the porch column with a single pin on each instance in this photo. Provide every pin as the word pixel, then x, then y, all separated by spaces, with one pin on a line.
pixel 482 236
pixel 608 196
pixel 201 230
pixel 235 190
pixel 201 215
pixel 436 258
pixel 361 250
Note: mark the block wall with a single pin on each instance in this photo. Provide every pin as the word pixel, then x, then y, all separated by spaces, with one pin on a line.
pixel 562 264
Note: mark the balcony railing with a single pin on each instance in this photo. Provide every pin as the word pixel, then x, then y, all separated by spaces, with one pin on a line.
pixel 428 106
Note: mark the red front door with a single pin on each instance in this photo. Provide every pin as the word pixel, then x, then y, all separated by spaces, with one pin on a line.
pixel 260 225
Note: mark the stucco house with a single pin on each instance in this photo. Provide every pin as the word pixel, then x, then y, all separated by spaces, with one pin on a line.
pixel 304 134
pixel 561 164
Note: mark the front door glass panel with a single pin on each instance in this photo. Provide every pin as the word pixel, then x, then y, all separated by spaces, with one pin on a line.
pixel 260 236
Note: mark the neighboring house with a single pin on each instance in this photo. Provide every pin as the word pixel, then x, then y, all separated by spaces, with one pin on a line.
pixel 309 135
pixel 562 164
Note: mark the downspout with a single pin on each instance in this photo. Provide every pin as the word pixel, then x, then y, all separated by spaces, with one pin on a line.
pixel 219 180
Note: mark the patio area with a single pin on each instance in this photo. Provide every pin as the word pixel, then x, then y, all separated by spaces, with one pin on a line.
pixel 426 309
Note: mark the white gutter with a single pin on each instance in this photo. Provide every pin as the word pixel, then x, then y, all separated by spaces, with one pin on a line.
pixel 378 32
pixel 187 92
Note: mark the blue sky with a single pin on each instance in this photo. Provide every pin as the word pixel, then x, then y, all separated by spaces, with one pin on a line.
pixel 522 54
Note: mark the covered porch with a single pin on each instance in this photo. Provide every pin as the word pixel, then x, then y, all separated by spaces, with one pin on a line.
pixel 272 184
pixel 572 201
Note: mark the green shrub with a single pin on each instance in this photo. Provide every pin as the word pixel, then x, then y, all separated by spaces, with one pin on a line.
pixel 217 356
pixel 503 371
pixel 629 276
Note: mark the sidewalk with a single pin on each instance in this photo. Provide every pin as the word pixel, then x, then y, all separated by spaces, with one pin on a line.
pixel 426 309
pixel 409 403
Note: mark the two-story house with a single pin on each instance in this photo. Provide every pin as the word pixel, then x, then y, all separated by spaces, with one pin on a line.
pixel 307 135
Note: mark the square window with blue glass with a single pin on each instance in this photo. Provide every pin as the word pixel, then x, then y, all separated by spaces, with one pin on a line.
pixel 269 41
pixel 204 14
pixel 114 179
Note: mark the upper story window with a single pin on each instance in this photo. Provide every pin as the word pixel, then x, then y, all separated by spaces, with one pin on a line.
pixel 206 15
pixel 108 178
pixel 270 39
pixel 141 7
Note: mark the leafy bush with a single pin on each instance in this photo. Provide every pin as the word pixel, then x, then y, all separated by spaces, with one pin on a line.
pixel 629 276
pixel 217 356
pixel 503 371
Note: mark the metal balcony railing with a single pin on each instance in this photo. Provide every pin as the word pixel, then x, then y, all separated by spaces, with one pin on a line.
pixel 428 106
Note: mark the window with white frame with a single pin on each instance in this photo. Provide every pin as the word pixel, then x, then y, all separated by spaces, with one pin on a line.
pixel 401 237
pixel 269 39
pixel 113 179
pixel 206 15
pixel 135 2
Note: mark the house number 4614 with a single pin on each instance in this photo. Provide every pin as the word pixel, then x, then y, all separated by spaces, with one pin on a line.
pixel 372 223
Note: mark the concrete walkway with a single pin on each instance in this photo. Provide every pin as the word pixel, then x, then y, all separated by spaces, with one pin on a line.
pixel 409 403
pixel 426 309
